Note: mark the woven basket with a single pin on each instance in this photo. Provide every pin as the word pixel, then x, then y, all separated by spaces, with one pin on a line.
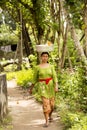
pixel 44 48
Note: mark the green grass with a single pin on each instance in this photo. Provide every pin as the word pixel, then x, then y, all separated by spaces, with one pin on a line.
pixel 6 123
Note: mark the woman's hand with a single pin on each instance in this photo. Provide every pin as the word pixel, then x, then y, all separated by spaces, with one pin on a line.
pixel 31 88
pixel 56 87
pixel 30 91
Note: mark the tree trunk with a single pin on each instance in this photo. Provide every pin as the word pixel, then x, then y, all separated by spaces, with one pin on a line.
pixel 70 63
pixel 79 48
pixel 1 68
pixel 59 35
pixel 52 11
pixel 64 47
pixel 74 35
pixel 19 50
pixel 27 41
pixel 19 55
pixel 85 23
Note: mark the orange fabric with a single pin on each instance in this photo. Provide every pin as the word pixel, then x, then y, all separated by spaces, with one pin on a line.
pixel 46 80
pixel 48 104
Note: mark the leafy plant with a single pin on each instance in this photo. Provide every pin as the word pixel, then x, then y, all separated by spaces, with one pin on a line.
pixel 71 101
pixel 24 77
pixel 6 123
pixel 74 121
pixel 73 89
pixel 11 75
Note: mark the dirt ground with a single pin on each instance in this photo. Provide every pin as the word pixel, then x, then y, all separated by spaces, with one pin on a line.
pixel 26 112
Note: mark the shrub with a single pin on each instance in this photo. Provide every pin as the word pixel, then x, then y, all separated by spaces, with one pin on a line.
pixel 81 125
pixel 73 89
pixel 10 75
pixel 24 77
pixel 74 121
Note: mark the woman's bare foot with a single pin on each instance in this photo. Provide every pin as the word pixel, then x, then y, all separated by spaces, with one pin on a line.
pixel 45 125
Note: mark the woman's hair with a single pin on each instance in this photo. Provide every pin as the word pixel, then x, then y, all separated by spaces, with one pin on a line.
pixel 44 53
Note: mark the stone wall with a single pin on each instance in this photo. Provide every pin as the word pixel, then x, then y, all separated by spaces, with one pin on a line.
pixel 3 96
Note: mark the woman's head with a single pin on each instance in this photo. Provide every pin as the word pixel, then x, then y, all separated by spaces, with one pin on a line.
pixel 45 53
pixel 44 57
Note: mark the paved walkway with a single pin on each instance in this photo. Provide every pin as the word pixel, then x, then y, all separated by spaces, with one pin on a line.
pixel 26 113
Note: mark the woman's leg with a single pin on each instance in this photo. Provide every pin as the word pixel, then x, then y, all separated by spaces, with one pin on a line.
pixel 46 109
pixel 52 101
pixel 46 114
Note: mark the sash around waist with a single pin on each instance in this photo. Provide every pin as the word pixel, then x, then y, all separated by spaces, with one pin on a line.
pixel 46 80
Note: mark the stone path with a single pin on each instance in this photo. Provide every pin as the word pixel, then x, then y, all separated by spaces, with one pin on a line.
pixel 26 113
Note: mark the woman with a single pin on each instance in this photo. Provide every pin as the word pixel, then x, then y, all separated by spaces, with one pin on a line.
pixel 46 80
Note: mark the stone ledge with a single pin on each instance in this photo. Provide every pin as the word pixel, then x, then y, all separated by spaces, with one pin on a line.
pixel 3 96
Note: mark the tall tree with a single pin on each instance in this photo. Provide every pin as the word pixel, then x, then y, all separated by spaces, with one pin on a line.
pixel 74 35
pixel 85 25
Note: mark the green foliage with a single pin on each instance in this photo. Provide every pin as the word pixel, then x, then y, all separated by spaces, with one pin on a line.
pixel 11 75
pixel 74 121
pixel 33 60
pixel 76 10
pixel 71 100
pixel 70 119
pixel 73 55
pixel 81 125
pixel 40 8
pixel 6 36
pixel 74 89
pixel 6 123
pixel 24 77
pixel 10 68
pixel 2 2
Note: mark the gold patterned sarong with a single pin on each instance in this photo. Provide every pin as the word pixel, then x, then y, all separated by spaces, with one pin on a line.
pixel 48 104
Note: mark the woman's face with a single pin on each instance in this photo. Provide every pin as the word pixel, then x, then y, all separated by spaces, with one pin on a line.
pixel 44 58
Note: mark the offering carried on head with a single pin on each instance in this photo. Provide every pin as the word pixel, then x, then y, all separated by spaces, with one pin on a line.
pixel 45 47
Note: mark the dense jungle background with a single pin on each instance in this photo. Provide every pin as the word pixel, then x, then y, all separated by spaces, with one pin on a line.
pixel 27 23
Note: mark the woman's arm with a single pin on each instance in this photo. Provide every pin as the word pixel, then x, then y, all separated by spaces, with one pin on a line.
pixel 55 79
pixel 35 79
pixel 56 87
